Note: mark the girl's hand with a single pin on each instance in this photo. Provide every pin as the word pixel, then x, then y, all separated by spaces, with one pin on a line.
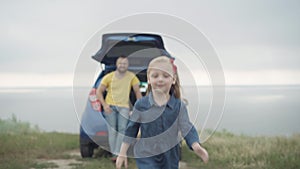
pixel 201 152
pixel 120 160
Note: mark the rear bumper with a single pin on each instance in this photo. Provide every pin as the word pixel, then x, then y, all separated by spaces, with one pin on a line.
pixel 98 140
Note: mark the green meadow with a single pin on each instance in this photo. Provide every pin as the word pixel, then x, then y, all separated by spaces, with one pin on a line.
pixel 230 151
pixel 22 146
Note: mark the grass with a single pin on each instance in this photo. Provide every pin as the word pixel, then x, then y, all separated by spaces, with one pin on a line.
pixel 102 163
pixel 227 150
pixel 21 144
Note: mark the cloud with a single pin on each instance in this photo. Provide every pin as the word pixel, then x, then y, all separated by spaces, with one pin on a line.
pixel 265 77
pixel 259 57
pixel 11 80
pixel 255 40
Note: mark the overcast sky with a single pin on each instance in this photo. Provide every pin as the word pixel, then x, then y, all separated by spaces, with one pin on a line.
pixel 258 42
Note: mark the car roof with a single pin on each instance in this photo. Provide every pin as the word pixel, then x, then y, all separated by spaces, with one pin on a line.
pixel 140 48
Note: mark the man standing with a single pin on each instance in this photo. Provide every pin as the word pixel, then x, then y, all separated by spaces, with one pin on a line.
pixel 117 84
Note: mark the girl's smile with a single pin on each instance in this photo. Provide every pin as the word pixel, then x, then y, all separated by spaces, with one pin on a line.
pixel 160 79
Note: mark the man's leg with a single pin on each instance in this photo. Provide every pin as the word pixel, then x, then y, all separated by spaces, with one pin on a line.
pixel 111 119
pixel 123 116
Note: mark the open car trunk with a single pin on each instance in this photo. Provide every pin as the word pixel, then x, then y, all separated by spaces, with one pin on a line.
pixel 139 48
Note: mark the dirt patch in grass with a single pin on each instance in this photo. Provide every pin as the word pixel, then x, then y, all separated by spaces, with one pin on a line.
pixel 71 161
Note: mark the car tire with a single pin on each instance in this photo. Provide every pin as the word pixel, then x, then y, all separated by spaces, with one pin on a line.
pixel 86 150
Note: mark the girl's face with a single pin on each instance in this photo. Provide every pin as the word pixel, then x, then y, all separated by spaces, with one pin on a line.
pixel 161 78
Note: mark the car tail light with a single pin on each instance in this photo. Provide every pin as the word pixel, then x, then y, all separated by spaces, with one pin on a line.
pixel 101 133
pixel 94 101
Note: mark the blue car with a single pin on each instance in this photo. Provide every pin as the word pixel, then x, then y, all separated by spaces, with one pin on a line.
pixel 140 49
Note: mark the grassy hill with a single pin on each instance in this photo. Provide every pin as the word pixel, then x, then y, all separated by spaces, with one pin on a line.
pixel 22 144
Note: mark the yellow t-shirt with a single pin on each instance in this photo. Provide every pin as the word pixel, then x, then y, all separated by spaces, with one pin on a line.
pixel 118 90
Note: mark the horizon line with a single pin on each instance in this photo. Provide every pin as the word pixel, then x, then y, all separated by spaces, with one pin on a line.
pixel 67 86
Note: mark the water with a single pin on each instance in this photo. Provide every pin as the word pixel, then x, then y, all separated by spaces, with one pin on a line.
pixel 270 110
pixel 51 109
pixel 251 110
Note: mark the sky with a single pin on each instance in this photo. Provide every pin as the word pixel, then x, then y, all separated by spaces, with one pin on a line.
pixel 257 42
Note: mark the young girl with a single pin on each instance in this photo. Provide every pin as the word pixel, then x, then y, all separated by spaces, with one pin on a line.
pixel 162 119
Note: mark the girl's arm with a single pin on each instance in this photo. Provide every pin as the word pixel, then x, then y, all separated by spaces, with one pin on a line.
pixel 187 129
pixel 122 157
pixel 190 134
pixel 200 151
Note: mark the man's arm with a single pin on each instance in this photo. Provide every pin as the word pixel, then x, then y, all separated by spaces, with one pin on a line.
pixel 99 94
pixel 136 89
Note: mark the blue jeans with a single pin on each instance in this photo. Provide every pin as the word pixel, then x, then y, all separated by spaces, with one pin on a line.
pixel 117 122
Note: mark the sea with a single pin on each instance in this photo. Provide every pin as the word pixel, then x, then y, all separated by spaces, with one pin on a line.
pixel 246 110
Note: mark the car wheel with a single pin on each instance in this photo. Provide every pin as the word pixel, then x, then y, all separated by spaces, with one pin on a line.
pixel 86 150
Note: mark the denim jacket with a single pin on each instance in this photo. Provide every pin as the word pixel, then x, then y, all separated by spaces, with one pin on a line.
pixel 162 127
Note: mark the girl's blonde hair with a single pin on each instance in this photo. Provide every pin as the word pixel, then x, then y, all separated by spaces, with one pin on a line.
pixel 175 88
